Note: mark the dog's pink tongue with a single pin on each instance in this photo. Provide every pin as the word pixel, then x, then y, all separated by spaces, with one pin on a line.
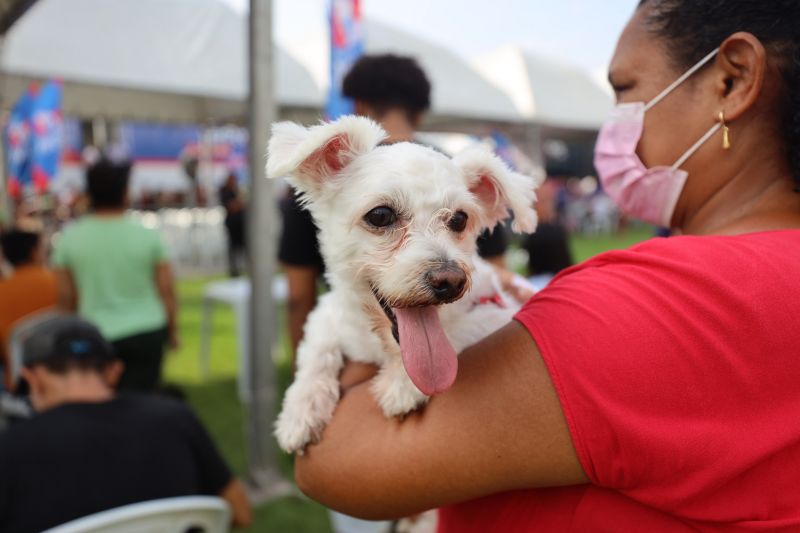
pixel 429 358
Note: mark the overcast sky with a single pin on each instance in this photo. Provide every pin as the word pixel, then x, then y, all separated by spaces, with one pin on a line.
pixel 581 32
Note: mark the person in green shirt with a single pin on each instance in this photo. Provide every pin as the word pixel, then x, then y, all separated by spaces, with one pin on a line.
pixel 115 273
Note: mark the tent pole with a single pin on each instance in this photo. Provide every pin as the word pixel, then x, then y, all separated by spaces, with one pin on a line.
pixel 534 143
pixel 6 204
pixel 264 478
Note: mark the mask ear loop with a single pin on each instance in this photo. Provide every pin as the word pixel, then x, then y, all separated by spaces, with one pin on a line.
pixel 686 75
pixel 696 146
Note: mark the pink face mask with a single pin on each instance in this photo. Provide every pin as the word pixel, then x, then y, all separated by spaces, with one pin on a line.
pixel 649 194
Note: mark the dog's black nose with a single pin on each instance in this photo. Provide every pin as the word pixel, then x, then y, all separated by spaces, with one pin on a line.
pixel 447 283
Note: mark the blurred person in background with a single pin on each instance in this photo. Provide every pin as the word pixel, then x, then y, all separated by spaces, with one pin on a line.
pixel 88 450
pixel 31 287
pixel 116 273
pixel 548 247
pixel 394 92
pixel 231 199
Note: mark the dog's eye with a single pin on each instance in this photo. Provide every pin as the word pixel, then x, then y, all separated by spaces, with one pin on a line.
pixel 381 217
pixel 458 222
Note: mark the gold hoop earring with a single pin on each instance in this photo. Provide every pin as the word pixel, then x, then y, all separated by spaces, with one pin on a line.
pixel 726 132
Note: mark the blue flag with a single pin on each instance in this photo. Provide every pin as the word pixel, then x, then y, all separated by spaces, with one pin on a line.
pixel 347 45
pixel 503 149
pixel 47 141
pixel 18 143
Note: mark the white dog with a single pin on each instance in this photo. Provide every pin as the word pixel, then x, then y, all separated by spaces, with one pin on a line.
pixel 397 228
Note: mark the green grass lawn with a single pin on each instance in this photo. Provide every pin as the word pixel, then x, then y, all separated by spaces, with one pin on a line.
pixel 586 246
pixel 216 402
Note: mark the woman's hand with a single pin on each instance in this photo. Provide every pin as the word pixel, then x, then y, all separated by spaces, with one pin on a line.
pixel 355 374
pixel 173 341
pixel 515 285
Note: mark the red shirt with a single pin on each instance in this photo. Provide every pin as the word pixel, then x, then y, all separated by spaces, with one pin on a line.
pixel 677 364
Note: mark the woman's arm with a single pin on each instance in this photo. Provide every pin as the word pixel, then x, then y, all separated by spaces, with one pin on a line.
pixel 67 294
pixel 500 427
pixel 235 495
pixel 302 299
pixel 166 290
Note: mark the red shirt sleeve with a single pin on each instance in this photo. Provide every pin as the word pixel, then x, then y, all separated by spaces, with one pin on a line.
pixel 676 364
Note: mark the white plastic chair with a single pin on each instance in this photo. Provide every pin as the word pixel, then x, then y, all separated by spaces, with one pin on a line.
pixel 189 514
pixel 341 523
pixel 236 293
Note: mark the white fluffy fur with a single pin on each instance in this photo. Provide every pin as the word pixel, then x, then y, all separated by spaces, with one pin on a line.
pixel 516 192
pixel 292 144
pixel 424 187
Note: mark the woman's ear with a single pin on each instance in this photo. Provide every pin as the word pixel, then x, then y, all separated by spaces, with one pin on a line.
pixel 499 190
pixel 743 63
pixel 311 156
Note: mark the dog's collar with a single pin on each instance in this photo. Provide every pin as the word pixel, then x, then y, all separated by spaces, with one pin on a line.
pixel 493 299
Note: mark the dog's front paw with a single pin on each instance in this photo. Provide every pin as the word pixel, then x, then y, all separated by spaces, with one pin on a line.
pixel 396 394
pixel 306 411
pixel 294 435
pixel 399 401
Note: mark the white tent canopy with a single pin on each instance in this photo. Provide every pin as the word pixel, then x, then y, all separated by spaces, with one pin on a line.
pixel 172 60
pixel 547 93
pixel 185 61
pixel 459 91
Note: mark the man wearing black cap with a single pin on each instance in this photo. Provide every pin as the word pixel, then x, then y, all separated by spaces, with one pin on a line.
pixel 88 450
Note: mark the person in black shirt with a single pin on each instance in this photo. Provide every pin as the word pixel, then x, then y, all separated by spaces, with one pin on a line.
pixel 234 206
pixel 548 248
pixel 394 92
pixel 89 450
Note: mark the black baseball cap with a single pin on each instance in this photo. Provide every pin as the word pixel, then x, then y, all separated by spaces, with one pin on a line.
pixel 65 337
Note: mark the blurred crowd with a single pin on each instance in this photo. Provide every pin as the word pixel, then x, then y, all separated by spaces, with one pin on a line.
pixel 85 320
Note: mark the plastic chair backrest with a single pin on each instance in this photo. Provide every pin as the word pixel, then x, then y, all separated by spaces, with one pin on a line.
pixel 186 514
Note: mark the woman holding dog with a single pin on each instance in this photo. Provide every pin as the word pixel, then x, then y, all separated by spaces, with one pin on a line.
pixel 651 389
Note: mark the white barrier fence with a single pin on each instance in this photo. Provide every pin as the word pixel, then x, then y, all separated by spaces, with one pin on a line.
pixel 195 238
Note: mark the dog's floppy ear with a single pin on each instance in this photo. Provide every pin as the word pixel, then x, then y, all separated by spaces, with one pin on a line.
pixel 313 155
pixel 499 189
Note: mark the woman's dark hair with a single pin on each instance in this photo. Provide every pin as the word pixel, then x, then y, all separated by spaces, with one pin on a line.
pixel 387 81
pixel 107 183
pixel 18 246
pixel 693 28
